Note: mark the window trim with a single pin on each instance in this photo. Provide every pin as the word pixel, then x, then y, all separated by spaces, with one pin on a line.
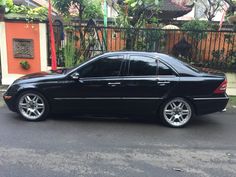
pixel 173 71
pixel 164 63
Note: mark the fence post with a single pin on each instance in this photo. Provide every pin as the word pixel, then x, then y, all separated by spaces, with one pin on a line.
pixel 43 46
pixel 3 52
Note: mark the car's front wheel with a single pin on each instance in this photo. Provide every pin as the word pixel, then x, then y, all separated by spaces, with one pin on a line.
pixel 176 112
pixel 32 106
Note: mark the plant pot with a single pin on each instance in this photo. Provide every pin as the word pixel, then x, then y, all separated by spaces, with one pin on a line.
pixel 26 67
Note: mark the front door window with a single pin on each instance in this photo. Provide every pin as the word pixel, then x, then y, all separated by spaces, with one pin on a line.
pixel 103 67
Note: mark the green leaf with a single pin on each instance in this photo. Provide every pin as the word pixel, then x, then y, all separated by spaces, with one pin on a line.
pixel 133 4
pixel 7 10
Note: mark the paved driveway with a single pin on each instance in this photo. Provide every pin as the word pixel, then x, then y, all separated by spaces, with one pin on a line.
pixel 89 147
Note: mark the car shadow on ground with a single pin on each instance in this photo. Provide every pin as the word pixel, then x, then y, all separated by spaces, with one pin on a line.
pixel 201 121
pixel 112 119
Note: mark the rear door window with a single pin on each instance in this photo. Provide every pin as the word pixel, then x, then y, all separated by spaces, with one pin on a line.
pixel 142 66
pixel 165 70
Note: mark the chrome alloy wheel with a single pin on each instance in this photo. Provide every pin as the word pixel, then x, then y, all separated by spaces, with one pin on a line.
pixel 31 106
pixel 177 112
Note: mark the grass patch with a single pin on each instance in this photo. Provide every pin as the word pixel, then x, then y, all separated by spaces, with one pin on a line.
pixel 232 100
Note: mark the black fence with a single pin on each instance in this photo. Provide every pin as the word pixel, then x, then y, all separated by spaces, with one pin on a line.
pixel 214 49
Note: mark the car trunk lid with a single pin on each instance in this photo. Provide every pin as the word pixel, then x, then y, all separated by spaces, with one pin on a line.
pixel 208 72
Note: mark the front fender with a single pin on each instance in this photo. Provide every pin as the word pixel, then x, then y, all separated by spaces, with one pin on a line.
pixel 14 91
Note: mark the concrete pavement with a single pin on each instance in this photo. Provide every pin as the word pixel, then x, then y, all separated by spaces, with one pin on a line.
pixel 91 147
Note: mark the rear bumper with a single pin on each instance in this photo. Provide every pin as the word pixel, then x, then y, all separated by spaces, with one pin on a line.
pixel 210 104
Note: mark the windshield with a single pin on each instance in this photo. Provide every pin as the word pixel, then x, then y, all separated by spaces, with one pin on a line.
pixel 69 69
pixel 85 61
pixel 64 70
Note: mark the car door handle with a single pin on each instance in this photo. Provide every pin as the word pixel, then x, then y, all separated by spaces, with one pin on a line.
pixel 163 83
pixel 113 84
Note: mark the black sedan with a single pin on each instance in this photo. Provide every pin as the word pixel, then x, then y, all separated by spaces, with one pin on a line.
pixel 121 83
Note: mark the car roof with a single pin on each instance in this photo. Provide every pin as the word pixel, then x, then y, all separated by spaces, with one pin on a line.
pixel 132 52
pixel 175 63
pixel 162 56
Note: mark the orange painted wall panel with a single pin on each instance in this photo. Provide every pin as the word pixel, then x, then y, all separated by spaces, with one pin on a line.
pixel 22 31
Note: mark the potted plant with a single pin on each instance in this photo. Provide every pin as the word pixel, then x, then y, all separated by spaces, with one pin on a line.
pixel 25 65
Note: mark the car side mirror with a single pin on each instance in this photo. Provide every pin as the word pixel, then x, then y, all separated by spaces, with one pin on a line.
pixel 75 76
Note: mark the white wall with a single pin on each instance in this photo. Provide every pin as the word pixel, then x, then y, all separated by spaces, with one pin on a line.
pixel 7 78
pixel 231 89
pixel 198 13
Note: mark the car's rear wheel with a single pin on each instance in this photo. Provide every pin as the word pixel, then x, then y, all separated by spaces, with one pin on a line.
pixel 176 112
pixel 32 106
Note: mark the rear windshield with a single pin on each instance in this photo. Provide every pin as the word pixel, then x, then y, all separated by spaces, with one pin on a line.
pixel 191 67
pixel 187 65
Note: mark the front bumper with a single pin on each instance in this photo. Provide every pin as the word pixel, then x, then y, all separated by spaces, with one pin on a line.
pixel 10 97
pixel 10 104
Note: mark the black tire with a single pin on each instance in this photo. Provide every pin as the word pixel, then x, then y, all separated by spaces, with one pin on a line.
pixel 23 111
pixel 178 116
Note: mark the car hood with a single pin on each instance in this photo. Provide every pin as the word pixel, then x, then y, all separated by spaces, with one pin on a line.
pixel 40 76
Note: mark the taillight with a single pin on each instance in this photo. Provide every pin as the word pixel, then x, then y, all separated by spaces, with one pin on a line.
pixel 222 87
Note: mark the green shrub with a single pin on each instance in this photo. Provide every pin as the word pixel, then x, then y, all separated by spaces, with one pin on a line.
pixel 69 52
pixel 195 29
